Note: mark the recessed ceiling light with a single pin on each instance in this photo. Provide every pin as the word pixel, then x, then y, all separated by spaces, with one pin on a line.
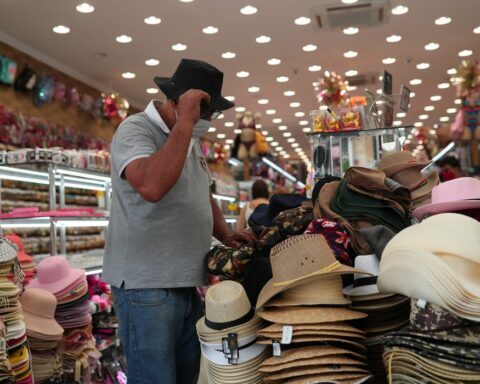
pixel 423 66
pixel 350 54
pixel 443 20
pixel 412 95
pixel 274 143
pixel 397 122
pixel 389 60
pixel 228 55
pixel 282 79
pixel 282 127
pixel 302 20
pixel 270 111
pixel 61 29
pixel 186 1
pixel 351 72
pixel 401 114
pixel 212 129
pixel 248 10
pixel 289 93
pixel 295 145
pixel 124 39
pixel 423 117
pixel 436 98
pixel 279 149
pixel 265 133
pixel 274 61
pixel 270 138
pixel 220 116
pixel 152 91
pixel 262 101
pixel 418 124
pixel 429 108
pixel 393 38
pixel 85 8
pixel 128 75
pixel 351 88
pixel 306 130
pixel 240 109
pixel 314 68
pixel 349 1
pixel 210 30
pixel 350 30
pixel 299 114
pixel 253 89
pixel 229 124
pixel 451 110
pixel 379 92
pixel 230 98
pixel 400 10
pixel 323 107
pixel 152 62
pixel 476 30
pixel 309 48
pixel 152 20
pixel 451 71
pixel 291 140
pixel 237 131
pixel 263 39
pixel 221 136
pixel 229 141
pixel 179 47
pixel 432 46
pixel 303 122
pixel 243 74
pixel 295 104
pixel 277 120
pixel 444 118
pixel 416 82
pixel 457 101
pixel 287 134
pixel 465 53
pixel 443 85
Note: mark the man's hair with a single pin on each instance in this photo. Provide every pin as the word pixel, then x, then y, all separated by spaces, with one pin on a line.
pixel 449 160
pixel 259 189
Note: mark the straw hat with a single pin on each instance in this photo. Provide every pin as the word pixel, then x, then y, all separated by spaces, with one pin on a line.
pixel 364 285
pixel 336 326
pixel 304 371
pixel 315 361
pixel 309 315
pixel 344 378
pixel 300 260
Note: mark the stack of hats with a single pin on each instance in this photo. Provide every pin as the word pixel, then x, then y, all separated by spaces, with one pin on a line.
pixel 70 288
pixel 386 312
pixel 460 195
pixel 26 261
pixel 436 262
pixel 43 332
pixel 305 303
pixel 405 169
pixel 6 374
pixel 11 313
pixel 228 338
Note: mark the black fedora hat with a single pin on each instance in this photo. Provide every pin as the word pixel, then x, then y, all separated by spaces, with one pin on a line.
pixel 195 74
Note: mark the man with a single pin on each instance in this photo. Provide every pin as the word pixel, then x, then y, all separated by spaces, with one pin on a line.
pixel 161 225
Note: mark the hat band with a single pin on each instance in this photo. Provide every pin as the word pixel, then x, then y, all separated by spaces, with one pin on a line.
pixel 328 268
pixel 363 281
pixel 229 324
pixel 420 184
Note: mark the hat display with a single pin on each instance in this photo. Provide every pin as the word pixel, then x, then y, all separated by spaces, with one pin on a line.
pixel 264 214
pixel 227 335
pixel 452 196
pixel 26 261
pixel 195 74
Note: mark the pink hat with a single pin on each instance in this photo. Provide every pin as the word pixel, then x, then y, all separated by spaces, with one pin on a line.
pixel 452 196
pixel 54 274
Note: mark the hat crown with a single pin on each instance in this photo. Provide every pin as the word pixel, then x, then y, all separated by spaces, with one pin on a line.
pixel 463 188
pixel 197 74
pixel 52 269
pixel 39 302
pixel 369 263
pixel 226 302
pixel 397 161
pixel 299 256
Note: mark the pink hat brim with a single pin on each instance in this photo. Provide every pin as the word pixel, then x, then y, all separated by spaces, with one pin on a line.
pixel 451 206
pixel 59 285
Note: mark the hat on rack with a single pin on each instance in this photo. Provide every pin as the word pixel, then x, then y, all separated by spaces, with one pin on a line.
pixel 300 260
pixel 38 307
pixel 55 274
pixel 364 285
pixel 195 74
pixel 23 257
pixel 454 195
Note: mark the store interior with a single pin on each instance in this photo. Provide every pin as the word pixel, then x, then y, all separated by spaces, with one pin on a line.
pixel 332 99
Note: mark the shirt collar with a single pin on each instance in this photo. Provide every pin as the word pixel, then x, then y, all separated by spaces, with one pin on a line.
pixel 153 115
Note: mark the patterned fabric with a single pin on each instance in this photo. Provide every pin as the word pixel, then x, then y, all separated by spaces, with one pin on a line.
pixel 432 317
pixel 337 237
pixel 229 263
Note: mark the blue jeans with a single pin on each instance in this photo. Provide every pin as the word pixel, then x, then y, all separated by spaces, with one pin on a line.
pixel 158 334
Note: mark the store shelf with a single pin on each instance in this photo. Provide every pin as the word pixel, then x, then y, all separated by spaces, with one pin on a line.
pixel 362 132
pixel 59 221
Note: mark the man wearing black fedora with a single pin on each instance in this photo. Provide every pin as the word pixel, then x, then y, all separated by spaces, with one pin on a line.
pixel 161 224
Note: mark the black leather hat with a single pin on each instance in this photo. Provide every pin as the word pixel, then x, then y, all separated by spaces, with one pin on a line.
pixel 195 74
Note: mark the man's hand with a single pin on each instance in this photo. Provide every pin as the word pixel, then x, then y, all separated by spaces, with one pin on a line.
pixel 235 239
pixel 188 105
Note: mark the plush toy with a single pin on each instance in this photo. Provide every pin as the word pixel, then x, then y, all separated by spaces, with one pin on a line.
pixel 247 124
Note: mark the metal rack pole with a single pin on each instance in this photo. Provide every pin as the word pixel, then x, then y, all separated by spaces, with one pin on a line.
pixel 52 203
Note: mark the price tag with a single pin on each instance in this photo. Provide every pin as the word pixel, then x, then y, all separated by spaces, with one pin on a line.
pixel 287 334
pixel 277 350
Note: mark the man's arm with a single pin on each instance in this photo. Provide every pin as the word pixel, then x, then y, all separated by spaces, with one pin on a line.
pixel 153 177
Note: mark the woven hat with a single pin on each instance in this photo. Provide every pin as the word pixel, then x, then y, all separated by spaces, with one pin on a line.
pixel 364 285
pixel 334 326
pixel 315 361
pixel 300 260
pixel 23 257
pixel 309 315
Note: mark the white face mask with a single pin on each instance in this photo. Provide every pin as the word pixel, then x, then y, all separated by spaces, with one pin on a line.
pixel 200 128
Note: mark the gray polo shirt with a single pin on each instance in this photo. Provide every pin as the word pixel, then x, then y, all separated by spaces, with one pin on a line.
pixel 162 244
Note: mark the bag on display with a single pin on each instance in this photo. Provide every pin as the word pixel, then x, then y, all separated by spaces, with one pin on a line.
pixel 26 81
pixel 44 91
pixel 8 70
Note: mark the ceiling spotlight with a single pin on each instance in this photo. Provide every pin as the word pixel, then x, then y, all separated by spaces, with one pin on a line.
pixel 397 122
pixel 423 66
pixel 303 122
pixel 221 136
pixel 465 53
pixel 389 60
pixel 152 20
pixel 287 134
pixel 124 39
pixel 302 20
pixel 61 29
pixel 418 124
pixel 350 54
pixel 243 74
pixel 295 104
pixel 274 143
pixel 351 88
pixel 351 72
pixel 350 30
pixel 444 119
pixel 85 8
pixel 152 62
pixel 314 68
pixel 443 20
pixel 349 1
pixel 451 71
pixel 393 38
pixel 295 145
pixel 309 48
pixel 443 85
pixel 401 114
pixel 282 127
pixel 229 124
pixel 289 93
pixel 230 98
pixel 253 89
pixel 277 120
pixel 274 61
pixel 248 10
pixel 128 75
pixel 270 111
pixel 429 108
pixel 457 101
pixel 212 129
pixel 263 39
pixel 436 98
pixel 210 30
pixel 423 117
pixel 262 101
pixel 240 109
pixel 476 30
pixel 306 130
pixel 282 79
pixel 152 91
pixel 179 47
pixel 432 46
pixel 228 55
pixel 451 110
pixel 269 138
pixel 299 114
pixel 416 82
pixel 400 10
pixel 291 140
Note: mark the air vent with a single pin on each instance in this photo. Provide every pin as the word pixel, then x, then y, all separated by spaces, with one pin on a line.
pixel 363 80
pixel 366 13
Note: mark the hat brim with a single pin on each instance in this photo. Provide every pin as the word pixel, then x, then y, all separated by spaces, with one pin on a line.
pixel 211 335
pixel 361 291
pixel 172 91
pixel 395 168
pixel 432 181
pixel 59 285
pixel 42 325
pixel 306 315
pixel 451 206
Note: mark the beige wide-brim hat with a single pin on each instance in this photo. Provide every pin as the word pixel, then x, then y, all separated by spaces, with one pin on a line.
pixel 343 378
pixel 315 362
pixel 301 260
pixel 313 333
pixel 296 372
pixel 343 342
pixel 333 327
pixel 309 315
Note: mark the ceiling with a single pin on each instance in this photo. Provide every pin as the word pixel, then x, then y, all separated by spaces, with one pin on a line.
pixel 90 51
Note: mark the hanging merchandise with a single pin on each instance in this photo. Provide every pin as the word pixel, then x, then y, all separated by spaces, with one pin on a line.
pixel 60 91
pixel 72 97
pixel 44 91
pixel 8 70
pixel 123 105
pixel 109 105
pixel 332 90
pixel 86 103
pixel 26 80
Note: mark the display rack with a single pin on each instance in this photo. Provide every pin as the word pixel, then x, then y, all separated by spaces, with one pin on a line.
pixel 334 152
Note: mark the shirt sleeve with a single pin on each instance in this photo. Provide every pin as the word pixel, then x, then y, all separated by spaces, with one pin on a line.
pixel 133 140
